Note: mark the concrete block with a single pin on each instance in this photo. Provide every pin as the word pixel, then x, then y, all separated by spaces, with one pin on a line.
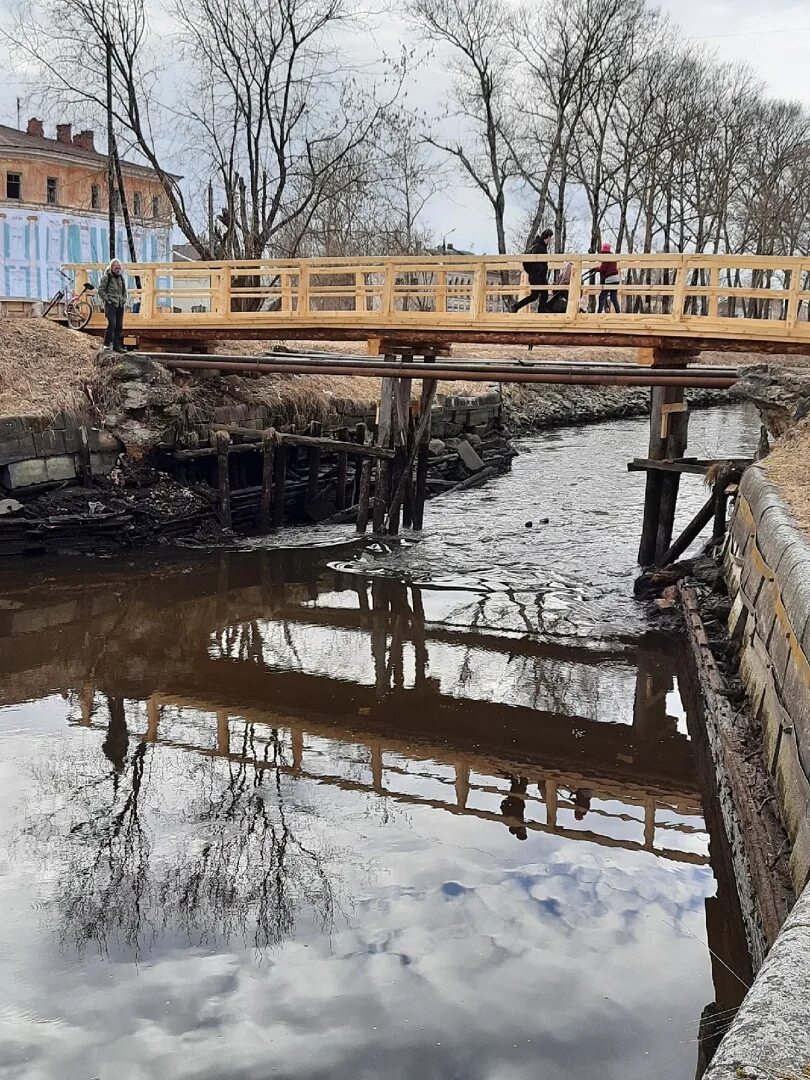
pixel 469 458
pixel 11 427
pixel 102 464
pixel 21 474
pixel 60 468
pixel 49 443
pixel 17 448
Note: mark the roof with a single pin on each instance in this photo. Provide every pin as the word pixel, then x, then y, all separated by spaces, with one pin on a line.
pixel 184 253
pixel 15 139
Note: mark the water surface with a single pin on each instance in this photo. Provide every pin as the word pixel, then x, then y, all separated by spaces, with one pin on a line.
pixel 428 809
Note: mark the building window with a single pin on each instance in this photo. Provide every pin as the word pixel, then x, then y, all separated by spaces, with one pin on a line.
pixel 13 185
pixel 137 204
pixel 95 197
pixel 116 201
pixel 155 206
pixel 51 194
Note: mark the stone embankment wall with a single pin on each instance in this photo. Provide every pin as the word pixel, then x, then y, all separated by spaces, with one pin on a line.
pixel 34 451
pixel 767 568
pixel 768 573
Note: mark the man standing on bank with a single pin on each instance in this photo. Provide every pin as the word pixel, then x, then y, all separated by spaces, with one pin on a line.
pixel 113 292
pixel 537 273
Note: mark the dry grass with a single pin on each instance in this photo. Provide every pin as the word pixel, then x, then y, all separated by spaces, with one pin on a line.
pixel 44 368
pixel 788 465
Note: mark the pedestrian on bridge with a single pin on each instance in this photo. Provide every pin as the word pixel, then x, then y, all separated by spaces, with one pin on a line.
pixel 609 277
pixel 113 292
pixel 537 273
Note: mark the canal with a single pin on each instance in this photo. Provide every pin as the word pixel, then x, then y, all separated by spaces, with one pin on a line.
pixel 364 810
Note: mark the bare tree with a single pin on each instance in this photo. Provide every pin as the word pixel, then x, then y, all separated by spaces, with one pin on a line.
pixel 474 32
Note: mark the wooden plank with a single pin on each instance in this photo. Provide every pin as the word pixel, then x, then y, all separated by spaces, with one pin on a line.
pixel 342 472
pixel 689 534
pixel 313 459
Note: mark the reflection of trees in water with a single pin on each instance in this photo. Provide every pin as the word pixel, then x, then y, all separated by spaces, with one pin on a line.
pixel 246 871
pixel 131 863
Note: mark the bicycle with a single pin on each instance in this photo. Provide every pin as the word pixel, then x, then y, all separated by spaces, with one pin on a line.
pixel 76 307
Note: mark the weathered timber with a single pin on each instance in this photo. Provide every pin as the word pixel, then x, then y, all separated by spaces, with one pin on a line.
pixel 383 477
pixel 268 455
pixel 423 440
pixel 693 466
pixel 424 426
pixel 360 439
pixel 364 495
pixel 342 471
pixel 222 442
pixel 279 485
pixel 690 533
pixel 752 824
pixel 313 460
pixel 474 481
pixel 85 460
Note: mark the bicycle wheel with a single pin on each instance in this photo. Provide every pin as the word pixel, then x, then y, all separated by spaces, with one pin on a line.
pixel 78 313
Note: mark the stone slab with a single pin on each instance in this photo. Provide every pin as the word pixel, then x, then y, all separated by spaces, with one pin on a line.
pixel 17 448
pixel 469 458
pixel 49 443
pixel 770 1036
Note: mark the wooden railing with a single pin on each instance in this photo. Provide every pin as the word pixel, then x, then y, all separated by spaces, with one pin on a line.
pixel 746 296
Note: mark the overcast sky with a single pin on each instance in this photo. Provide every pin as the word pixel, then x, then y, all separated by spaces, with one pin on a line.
pixel 773 38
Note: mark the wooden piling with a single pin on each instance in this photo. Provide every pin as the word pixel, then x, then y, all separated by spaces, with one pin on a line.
pixel 719 504
pixel 425 405
pixel 313 461
pixel 222 441
pixel 342 471
pixel 360 439
pixel 85 461
pixel 268 455
pixel 279 484
pixel 668 435
pixel 382 482
pixel 364 494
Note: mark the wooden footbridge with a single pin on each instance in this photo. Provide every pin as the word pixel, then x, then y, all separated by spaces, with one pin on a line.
pixel 409 312
pixel 681 302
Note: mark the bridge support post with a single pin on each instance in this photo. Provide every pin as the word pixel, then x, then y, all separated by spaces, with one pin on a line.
pixel 669 420
pixel 425 405
pixel 382 480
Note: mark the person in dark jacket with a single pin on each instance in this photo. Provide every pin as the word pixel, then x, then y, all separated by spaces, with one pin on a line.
pixel 113 292
pixel 537 273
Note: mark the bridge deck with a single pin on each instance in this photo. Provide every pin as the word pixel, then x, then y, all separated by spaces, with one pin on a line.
pixel 685 302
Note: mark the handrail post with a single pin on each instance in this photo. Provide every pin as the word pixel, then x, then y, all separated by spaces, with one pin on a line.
pixel 714 295
pixel 388 291
pixel 441 292
pixel 148 277
pixel 303 289
pixel 360 290
pixel 679 298
pixel 478 295
pixel 792 314
pixel 574 291
pixel 224 298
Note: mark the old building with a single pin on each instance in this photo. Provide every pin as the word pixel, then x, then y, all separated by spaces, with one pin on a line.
pixel 53 209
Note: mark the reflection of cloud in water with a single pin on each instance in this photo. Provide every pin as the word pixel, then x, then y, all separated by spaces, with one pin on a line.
pixel 446 951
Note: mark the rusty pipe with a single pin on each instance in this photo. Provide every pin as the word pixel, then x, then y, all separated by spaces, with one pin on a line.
pixel 409 369
pixel 516 374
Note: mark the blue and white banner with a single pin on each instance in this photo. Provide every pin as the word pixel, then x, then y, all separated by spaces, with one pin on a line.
pixel 34 244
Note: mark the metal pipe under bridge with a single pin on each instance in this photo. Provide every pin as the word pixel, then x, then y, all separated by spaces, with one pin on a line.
pixel 673 306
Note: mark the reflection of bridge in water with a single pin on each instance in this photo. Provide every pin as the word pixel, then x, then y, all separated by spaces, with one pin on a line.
pixel 253 645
